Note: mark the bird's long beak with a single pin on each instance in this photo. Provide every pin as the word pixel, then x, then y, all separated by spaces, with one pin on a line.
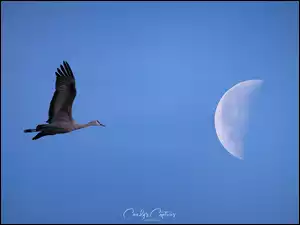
pixel 102 125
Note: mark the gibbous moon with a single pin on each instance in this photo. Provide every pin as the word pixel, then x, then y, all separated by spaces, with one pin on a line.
pixel 231 116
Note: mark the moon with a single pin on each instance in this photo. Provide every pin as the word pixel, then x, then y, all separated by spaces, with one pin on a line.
pixel 232 116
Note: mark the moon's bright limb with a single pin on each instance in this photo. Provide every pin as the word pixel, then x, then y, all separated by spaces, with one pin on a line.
pixel 231 116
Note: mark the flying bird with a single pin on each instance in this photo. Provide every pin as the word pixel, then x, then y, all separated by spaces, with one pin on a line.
pixel 60 118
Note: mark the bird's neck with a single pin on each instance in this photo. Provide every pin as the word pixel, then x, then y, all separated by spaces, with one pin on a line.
pixel 80 126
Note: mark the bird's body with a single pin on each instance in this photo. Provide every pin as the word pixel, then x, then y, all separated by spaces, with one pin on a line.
pixel 60 118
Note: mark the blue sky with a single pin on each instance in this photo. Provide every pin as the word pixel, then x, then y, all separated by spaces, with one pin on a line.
pixel 154 74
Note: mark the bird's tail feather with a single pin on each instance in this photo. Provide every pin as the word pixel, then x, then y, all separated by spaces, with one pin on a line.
pixel 29 130
pixel 39 135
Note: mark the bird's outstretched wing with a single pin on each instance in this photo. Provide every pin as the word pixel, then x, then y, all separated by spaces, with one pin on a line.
pixel 65 92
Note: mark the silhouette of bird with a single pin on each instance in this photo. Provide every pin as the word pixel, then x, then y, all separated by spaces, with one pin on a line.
pixel 60 118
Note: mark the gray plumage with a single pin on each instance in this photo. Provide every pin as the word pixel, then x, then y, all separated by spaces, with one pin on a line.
pixel 60 118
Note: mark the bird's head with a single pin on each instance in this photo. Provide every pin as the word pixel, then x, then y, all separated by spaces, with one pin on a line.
pixel 96 123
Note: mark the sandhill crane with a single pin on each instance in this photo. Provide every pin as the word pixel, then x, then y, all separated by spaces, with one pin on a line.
pixel 60 118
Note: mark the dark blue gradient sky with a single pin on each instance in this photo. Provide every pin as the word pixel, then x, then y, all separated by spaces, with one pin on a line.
pixel 153 73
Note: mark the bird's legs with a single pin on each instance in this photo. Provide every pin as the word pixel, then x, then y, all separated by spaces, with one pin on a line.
pixel 45 130
pixel 39 127
pixel 30 130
